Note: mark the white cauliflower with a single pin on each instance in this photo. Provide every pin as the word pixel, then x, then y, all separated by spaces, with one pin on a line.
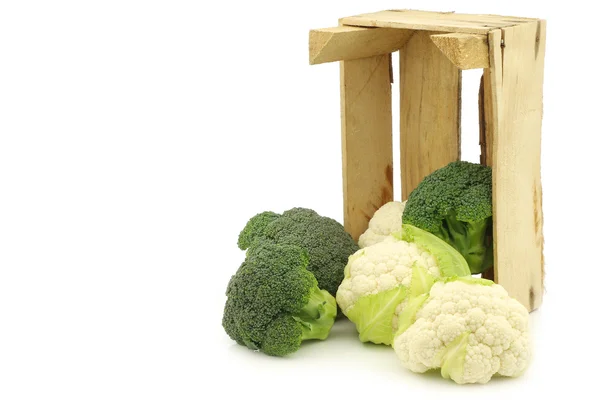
pixel 383 268
pixel 377 279
pixel 468 327
pixel 385 221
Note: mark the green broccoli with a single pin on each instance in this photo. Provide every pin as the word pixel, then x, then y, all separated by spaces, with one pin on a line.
pixel 327 243
pixel 455 204
pixel 274 302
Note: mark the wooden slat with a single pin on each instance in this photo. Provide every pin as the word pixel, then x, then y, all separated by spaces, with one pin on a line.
pixel 366 139
pixel 433 21
pixel 487 127
pixel 488 109
pixel 349 43
pixel 429 111
pixel 517 191
pixel 491 82
pixel 465 50
pixel 452 16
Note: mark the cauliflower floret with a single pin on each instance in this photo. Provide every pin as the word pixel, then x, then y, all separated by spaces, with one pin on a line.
pixel 385 221
pixel 379 276
pixel 471 331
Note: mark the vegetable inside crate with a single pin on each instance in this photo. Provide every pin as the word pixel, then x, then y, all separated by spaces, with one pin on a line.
pixel 434 48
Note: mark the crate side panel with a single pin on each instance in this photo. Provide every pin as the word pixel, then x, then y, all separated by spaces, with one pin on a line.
pixel 517 193
pixel 429 110
pixel 366 102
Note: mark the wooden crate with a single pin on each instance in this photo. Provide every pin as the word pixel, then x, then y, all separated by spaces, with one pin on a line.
pixel 434 47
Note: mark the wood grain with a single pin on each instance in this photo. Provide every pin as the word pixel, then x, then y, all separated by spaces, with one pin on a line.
pixel 433 21
pixel 367 160
pixel 349 43
pixel 430 88
pixel 518 84
pixel 465 50
pixel 488 111
pixel 487 124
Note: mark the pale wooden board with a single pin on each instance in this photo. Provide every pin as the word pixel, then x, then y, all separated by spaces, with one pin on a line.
pixel 488 108
pixel 517 192
pixel 429 110
pixel 487 124
pixel 349 43
pixel 465 50
pixel 491 81
pixel 367 159
pixel 433 21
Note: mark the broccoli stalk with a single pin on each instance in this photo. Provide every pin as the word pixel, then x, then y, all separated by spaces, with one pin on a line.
pixel 455 204
pixel 469 238
pixel 316 315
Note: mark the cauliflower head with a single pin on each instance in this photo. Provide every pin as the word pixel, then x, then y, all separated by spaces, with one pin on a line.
pixel 375 287
pixel 379 278
pixel 385 221
pixel 470 328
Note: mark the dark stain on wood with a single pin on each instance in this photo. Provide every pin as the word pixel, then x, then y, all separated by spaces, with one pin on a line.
pixel 386 195
pixel 531 297
pixel 389 175
pixel 482 142
pixel 366 215
pixel 537 38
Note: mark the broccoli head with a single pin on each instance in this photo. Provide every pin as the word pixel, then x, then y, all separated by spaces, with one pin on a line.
pixel 274 302
pixel 455 204
pixel 326 242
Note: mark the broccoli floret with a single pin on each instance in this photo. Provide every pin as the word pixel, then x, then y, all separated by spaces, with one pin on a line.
pixel 327 243
pixel 455 204
pixel 255 228
pixel 274 303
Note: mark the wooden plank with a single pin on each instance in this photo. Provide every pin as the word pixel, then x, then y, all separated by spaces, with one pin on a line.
pixel 488 102
pixel 488 110
pixel 429 111
pixel 367 160
pixel 452 16
pixel 517 192
pixel 465 50
pixel 349 43
pixel 492 81
pixel 433 21
pixel 486 121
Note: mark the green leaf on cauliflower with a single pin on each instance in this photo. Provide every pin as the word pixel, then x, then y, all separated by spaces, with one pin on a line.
pixel 470 280
pixel 452 357
pixel 373 315
pixel 421 281
pixel 409 315
pixel 450 261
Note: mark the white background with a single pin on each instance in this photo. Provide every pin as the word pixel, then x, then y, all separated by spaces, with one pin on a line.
pixel 137 137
